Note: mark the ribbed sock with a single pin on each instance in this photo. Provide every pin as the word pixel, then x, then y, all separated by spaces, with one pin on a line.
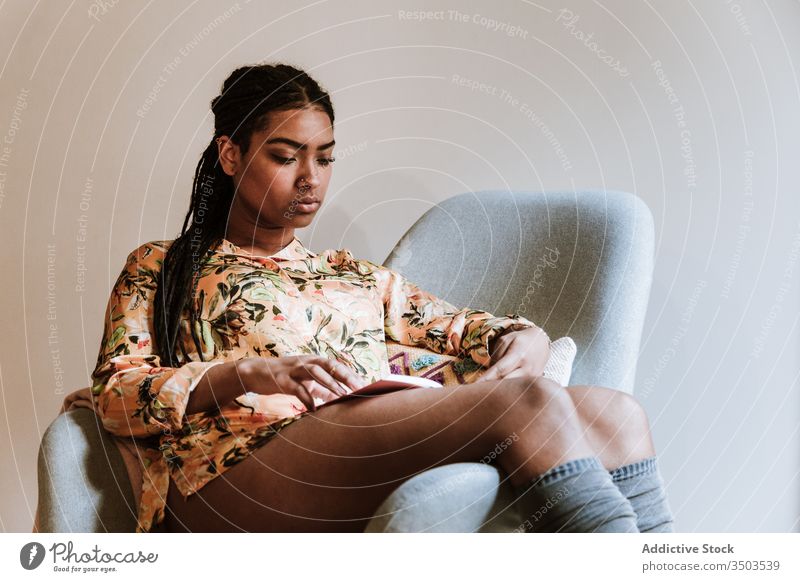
pixel 577 496
pixel 642 485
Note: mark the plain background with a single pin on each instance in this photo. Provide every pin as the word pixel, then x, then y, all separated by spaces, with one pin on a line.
pixel 105 110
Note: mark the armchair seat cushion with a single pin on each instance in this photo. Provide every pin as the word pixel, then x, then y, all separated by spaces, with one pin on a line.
pixel 459 497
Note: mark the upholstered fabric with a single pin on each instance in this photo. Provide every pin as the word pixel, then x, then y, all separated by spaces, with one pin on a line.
pixel 459 497
pixel 83 483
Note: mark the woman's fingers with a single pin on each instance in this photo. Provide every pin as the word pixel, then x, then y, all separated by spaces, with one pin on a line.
pixel 318 392
pixel 345 375
pixel 304 394
pixel 510 361
pixel 517 373
pixel 319 374
pixel 501 346
pixel 498 370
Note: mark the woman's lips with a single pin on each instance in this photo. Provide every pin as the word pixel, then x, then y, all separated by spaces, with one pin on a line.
pixel 307 208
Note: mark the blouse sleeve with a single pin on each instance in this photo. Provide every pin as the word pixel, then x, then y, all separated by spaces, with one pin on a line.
pixel 133 395
pixel 415 317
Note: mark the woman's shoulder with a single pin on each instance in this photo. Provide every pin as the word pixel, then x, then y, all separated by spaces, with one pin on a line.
pixel 150 254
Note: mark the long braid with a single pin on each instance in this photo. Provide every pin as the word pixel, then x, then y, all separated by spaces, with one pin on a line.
pixel 248 95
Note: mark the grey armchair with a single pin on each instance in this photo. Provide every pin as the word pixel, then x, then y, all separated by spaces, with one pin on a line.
pixel 578 264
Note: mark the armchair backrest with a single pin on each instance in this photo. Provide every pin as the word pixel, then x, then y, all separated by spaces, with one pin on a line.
pixel 578 264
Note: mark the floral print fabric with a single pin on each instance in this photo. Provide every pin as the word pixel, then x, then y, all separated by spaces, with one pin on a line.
pixel 295 302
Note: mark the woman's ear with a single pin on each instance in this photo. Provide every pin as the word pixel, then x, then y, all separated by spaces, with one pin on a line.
pixel 229 155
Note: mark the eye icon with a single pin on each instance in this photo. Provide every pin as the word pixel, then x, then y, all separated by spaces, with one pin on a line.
pixel 31 555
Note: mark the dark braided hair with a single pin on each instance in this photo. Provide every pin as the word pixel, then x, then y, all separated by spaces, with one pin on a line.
pixel 248 95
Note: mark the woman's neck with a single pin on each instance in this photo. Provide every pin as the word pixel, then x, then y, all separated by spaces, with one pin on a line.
pixel 260 241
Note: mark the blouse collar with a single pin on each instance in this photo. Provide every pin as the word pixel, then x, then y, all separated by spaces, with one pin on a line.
pixel 295 250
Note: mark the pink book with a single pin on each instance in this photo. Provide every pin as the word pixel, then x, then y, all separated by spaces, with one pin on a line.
pixel 390 383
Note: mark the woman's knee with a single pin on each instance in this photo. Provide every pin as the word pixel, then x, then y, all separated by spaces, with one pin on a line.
pixel 542 414
pixel 599 405
pixel 534 397
pixel 613 419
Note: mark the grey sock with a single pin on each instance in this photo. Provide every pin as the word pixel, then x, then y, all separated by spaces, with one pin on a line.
pixel 577 496
pixel 642 484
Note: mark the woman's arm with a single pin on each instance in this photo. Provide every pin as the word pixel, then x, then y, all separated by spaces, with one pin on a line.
pixel 413 316
pixel 134 395
pixel 219 386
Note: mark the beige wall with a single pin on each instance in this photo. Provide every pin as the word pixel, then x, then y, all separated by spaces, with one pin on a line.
pixel 91 167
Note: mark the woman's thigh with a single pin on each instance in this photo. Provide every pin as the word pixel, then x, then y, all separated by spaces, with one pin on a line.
pixel 330 470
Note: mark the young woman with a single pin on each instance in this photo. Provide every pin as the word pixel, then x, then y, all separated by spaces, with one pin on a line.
pixel 219 340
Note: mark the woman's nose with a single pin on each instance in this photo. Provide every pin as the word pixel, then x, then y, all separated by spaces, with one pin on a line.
pixel 310 176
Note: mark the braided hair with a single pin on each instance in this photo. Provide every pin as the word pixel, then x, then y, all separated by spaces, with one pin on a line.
pixel 248 96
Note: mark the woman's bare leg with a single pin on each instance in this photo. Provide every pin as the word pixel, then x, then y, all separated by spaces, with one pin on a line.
pixel 616 425
pixel 331 470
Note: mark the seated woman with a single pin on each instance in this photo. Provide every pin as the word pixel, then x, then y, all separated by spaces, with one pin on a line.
pixel 219 341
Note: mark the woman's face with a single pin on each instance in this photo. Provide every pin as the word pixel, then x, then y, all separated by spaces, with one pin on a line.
pixel 282 180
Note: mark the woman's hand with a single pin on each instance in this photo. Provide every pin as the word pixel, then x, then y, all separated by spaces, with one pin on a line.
pixel 518 353
pixel 306 377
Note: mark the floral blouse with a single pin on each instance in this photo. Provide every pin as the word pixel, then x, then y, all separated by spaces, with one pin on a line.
pixel 295 302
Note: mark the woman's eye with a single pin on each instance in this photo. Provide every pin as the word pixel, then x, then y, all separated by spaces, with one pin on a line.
pixel 322 161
